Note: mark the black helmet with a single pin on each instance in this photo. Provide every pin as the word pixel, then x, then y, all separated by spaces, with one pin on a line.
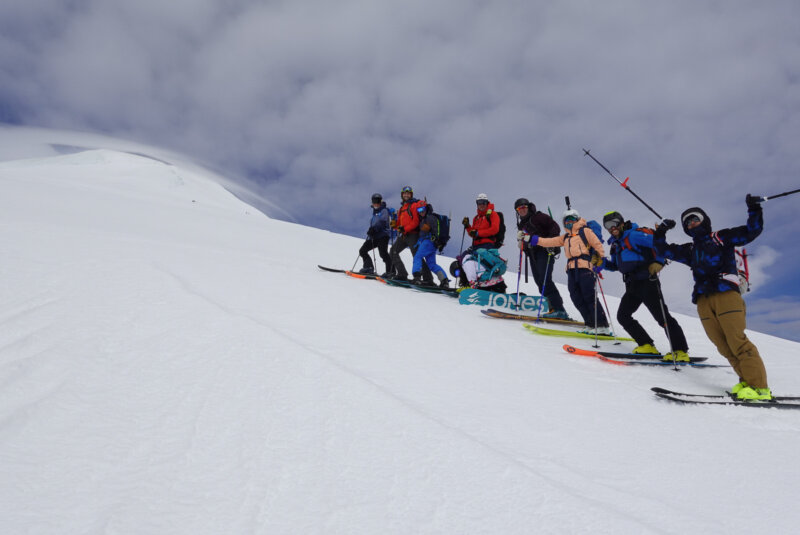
pixel 612 219
pixel 522 201
pixel 377 198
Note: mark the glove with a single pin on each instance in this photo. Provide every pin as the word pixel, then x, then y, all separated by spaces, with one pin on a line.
pixel 401 230
pixel 597 260
pixel 597 269
pixel 663 227
pixel 393 223
pixel 533 239
pixel 465 222
pixel 520 235
pixel 753 202
pixel 370 232
pixel 654 268
pixel 473 233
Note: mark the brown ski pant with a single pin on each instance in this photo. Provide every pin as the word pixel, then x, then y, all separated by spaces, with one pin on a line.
pixel 723 317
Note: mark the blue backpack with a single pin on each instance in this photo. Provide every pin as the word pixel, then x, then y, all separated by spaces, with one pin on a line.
pixel 491 260
pixel 598 231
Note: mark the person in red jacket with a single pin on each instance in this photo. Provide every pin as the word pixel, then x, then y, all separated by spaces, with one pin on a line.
pixel 407 226
pixel 485 225
pixel 484 231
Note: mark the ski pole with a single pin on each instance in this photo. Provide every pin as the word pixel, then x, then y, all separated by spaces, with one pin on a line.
pixel 608 310
pixel 544 286
pixel 355 262
pixel 784 194
pixel 461 249
pixel 624 183
pixel 596 334
pixel 666 324
pixel 519 274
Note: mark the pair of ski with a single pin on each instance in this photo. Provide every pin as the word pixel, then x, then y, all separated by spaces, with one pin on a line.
pixel 777 402
pixel 402 284
pixel 638 359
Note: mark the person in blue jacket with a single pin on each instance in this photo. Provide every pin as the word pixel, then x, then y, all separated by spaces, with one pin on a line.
pixel 712 259
pixel 377 236
pixel 426 250
pixel 632 254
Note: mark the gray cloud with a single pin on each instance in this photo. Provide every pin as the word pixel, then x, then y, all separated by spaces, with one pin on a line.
pixel 322 103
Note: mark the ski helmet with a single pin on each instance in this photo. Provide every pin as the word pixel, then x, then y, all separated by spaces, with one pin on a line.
pixel 377 198
pixel 482 197
pixel 612 219
pixel 570 213
pixel 522 201
pixel 407 189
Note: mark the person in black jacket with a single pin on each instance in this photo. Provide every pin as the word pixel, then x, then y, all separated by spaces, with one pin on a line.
pixel 712 258
pixel 532 222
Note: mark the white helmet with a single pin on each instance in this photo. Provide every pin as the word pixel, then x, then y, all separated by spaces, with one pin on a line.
pixel 482 197
pixel 570 213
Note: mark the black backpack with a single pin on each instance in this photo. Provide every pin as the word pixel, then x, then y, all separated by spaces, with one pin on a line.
pixel 440 232
pixel 500 237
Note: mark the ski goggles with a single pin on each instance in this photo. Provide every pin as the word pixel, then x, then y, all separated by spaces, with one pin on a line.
pixel 522 208
pixel 481 202
pixel 611 224
pixel 407 189
pixel 692 217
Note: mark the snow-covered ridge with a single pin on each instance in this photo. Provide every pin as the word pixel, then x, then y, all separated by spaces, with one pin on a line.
pixel 172 361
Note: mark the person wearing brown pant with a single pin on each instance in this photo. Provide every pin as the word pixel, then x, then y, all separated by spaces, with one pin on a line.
pixel 712 258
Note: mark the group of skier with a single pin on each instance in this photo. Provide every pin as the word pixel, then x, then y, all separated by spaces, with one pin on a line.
pixel 636 252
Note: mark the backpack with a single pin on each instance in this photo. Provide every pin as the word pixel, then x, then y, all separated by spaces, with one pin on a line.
pixel 440 231
pixel 500 237
pixel 491 260
pixel 626 243
pixel 598 231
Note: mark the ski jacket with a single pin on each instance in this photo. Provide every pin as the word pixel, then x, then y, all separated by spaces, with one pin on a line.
pixel 711 255
pixel 487 224
pixel 632 253
pixel 407 216
pixel 576 251
pixel 539 224
pixel 379 224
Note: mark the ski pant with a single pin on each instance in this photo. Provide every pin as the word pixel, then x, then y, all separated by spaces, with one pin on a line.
pixel 648 292
pixel 426 255
pixel 723 317
pixel 542 268
pixel 382 244
pixel 581 284
pixel 409 241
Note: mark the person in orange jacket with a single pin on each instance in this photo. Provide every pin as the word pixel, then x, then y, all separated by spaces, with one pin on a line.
pixel 407 226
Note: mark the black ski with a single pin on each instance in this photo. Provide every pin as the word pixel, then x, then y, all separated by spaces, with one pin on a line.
pixel 705 399
pixel 332 270
pixel 726 395
pixel 645 356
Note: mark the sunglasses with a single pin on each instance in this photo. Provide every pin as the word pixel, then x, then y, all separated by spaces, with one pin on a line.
pixel 522 208
pixel 481 202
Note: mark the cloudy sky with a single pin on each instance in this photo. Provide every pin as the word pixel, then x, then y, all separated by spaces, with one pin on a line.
pixel 319 104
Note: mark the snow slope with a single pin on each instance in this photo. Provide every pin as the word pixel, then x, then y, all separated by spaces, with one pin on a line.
pixel 172 361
